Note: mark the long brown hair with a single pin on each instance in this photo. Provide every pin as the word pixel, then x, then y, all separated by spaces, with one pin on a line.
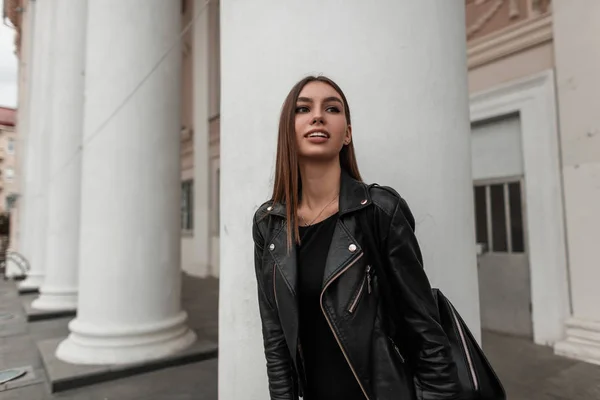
pixel 288 184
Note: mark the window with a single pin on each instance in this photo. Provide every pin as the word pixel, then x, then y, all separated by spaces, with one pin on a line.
pixel 10 146
pixel 480 215
pixel 10 174
pixel 187 205
pixel 218 202
pixel 499 217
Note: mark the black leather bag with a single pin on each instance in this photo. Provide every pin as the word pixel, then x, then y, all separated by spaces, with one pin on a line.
pixel 477 378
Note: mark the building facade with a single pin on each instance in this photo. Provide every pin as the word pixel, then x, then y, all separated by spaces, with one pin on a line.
pixel 8 178
pixel 485 112
pixel 9 184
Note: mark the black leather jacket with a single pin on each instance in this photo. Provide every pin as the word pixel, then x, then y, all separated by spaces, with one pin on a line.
pixel 352 305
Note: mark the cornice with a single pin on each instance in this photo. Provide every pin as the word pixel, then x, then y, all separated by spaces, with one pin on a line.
pixel 516 38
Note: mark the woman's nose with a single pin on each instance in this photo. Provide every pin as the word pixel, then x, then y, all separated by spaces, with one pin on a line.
pixel 317 118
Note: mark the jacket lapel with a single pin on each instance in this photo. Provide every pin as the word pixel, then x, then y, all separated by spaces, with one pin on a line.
pixel 284 259
pixel 285 285
pixel 342 251
pixel 344 248
pixel 354 195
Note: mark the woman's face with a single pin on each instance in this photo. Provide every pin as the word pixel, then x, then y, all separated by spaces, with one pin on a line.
pixel 321 127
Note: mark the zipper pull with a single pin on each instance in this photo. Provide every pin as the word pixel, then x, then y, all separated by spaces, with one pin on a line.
pixel 368 272
pixel 397 350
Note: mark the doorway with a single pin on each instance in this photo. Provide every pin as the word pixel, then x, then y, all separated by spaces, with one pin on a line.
pixel 503 262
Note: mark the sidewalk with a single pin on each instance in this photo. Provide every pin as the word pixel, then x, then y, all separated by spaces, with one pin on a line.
pixel 196 381
pixel 529 372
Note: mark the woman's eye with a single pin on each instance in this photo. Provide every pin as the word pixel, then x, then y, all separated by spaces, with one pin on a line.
pixel 333 109
pixel 301 109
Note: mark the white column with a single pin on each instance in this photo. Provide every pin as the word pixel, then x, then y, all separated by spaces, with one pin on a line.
pixel 35 209
pixel 201 138
pixel 129 307
pixel 25 78
pixel 402 65
pixel 59 291
pixel 578 84
pixel 203 40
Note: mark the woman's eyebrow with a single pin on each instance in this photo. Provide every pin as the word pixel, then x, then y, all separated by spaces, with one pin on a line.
pixel 328 99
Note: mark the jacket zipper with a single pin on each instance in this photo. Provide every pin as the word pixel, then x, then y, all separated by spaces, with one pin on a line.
pixel 397 350
pixel 331 326
pixel 367 280
pixel 464 344
pixel 301 362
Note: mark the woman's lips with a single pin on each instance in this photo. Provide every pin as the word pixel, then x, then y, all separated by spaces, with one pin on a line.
pixel 317 139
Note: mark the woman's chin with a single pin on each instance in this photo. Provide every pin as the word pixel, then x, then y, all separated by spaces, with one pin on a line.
pixel 324 156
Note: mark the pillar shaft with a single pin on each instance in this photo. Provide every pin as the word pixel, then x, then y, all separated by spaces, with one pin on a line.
pixel 402 65
pixel 129 307
pixel 25 77
pixel 59 290
pixel 35 204
pixel 578 82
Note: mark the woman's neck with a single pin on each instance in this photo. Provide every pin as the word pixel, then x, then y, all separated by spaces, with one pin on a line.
pixel 320 183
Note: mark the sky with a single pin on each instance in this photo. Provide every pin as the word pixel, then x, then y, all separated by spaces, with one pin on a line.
pixel 8 64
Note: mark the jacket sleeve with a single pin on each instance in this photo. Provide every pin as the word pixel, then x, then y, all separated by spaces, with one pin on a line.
pixel 436 376
pixel 279 363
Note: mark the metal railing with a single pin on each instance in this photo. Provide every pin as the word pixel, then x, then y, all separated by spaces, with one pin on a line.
pixel 19 261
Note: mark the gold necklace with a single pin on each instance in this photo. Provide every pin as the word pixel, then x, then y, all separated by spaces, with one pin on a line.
pixel 319 214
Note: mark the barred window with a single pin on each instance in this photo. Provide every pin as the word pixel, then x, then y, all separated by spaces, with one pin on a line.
pixel 499 222
pixel 187 205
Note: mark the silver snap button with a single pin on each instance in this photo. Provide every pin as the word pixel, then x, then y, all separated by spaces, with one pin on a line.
pixel 352 248
pixel 269 208
pixel 363 202
pixel 271 247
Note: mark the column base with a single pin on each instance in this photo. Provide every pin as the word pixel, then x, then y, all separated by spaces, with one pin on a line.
pixel 93 344
pixel 56 299
pixel 582 341
pixel 33 282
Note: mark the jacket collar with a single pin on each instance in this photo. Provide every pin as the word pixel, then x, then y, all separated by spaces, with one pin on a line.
pixel 354 195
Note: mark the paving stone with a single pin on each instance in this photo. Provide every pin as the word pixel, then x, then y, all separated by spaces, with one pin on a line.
pixel 34 314
pixel 196 381
pixel 31 377
pixel 528 371
pixel 64 376
pixel 33 392
pixel 531 372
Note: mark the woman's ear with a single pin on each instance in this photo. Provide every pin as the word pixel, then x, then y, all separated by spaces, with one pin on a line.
pixel 348 137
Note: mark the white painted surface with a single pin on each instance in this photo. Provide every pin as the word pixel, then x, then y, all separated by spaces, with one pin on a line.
pixel 577 64
pixel 403 67
pixel 201 61
pixel 188 256
pixel 583 336
pixel 130 279
pixel 583 199
pixel 59 290
pixel 24 119
pixel 534 99
pixel 33 241
pixel 214 216
pixel 496 149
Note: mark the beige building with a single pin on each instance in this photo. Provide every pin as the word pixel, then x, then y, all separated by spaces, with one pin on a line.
pixel 524 256
pixel 8 178
pixel 533 73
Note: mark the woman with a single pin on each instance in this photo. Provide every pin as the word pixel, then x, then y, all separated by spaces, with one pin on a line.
pixel 324 326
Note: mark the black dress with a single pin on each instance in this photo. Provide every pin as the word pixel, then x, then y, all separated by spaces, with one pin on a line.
pixel 328 376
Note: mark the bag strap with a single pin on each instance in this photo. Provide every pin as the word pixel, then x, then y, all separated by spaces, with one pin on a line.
pixel 372 249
